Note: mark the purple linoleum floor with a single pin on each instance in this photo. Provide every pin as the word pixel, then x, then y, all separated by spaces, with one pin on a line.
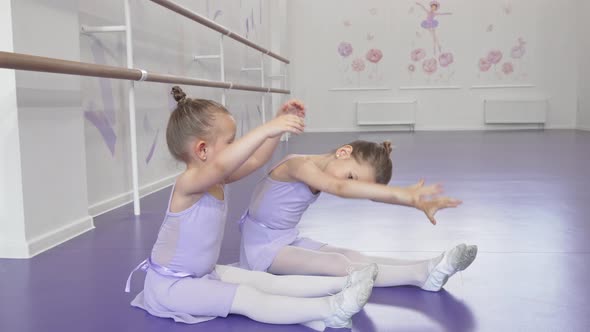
pixel 526 204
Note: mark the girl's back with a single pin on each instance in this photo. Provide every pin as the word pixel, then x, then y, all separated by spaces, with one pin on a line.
pixel 190 240
pixel 277 204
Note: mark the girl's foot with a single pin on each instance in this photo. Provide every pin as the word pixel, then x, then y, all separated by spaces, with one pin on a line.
pixel 348 302
pixel 454 260
pixel 367 272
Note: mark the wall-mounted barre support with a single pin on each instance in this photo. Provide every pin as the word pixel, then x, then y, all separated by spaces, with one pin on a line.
pixel 206 57
pixel 132 116
pixel 219 57
pixel 87 29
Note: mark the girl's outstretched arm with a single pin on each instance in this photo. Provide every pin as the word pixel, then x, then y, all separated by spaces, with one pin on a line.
pixel 195 181
pixel 422 6
pixel 265 151
pixel 414 196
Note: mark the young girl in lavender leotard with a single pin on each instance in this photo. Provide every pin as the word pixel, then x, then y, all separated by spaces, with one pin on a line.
pixel 361 169
pixel 183 281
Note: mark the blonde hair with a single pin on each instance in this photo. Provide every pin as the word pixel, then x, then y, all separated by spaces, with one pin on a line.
pixel 376 155
pixel 190 119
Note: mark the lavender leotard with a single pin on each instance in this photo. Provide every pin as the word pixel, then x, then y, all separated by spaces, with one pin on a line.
pixel 181 282
pixel 269 223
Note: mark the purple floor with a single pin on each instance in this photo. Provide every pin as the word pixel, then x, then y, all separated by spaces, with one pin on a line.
pixel 526 204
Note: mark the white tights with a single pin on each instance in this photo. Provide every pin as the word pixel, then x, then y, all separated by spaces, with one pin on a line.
pixel 275 299
pixel 332 261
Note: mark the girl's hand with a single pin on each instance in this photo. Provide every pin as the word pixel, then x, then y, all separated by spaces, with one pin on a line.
pixel 430 207
pixel 418 190
pixel 285 123
pixel 293 106
pixel 421 199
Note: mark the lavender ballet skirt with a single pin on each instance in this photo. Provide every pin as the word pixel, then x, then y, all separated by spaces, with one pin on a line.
pixel 429 24
pixel 181 282
pixel 260 245
pixel 186 300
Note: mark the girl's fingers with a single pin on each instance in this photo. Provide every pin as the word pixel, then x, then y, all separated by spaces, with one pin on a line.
pixel 297 104
pixel 296 122
pixel 430 190
pixel 295 129
pixel 436 188
pixel 453 202
pixel 431 218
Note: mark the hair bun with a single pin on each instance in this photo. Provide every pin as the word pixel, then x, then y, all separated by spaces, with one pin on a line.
pixel 387 146
pixel 178 94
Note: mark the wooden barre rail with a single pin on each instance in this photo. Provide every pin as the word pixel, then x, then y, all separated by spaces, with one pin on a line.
pixel 217 27
pixel 28 62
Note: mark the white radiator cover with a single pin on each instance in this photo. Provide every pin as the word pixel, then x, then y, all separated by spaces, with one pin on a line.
pixel 517 111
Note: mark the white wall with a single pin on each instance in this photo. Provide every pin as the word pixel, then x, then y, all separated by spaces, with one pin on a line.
pixel 315 29
pixel 51 136
pixel 583 49
pixel 163 42
pixel 59 166
pixel 12 215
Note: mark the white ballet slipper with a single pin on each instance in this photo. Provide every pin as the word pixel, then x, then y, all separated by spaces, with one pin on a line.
pixel 454 260
pixel 367 272
pixel 348 302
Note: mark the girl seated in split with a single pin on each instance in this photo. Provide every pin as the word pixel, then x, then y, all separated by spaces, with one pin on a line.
pixel 361 169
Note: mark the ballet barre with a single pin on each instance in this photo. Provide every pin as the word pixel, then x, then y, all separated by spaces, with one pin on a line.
pixel 224 32
pixel 217 27
pixel 19 61
pixel 28 62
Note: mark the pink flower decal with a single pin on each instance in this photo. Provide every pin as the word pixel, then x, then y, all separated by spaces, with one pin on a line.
pixel 494 56
pixel 358 65
pixel 484 64
pixel 430 66
pixel 345 49
pixel 418 54
pixel 374 55
pixel 518 51
pixel 446 59
pixel 507 68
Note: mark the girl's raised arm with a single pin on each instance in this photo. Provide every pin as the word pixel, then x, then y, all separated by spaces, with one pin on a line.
pixel 265 151
pixel 195 181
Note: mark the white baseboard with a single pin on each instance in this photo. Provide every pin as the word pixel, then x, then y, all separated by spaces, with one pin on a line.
pixel 572 127
pixel 46 241
pixel 49 240
pixel 403 128
pixel 125 198
pixel 584 128
pixel 58 236
pixel 435 128
pixel 14 249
